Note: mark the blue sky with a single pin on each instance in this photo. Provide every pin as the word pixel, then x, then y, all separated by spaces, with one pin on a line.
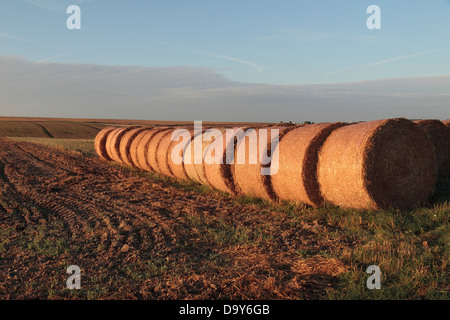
pixel 283 45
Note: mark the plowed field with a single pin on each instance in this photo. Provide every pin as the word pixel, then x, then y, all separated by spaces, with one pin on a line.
pixel 137 237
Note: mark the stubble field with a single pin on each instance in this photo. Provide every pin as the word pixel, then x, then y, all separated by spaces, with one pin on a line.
pixel 137 235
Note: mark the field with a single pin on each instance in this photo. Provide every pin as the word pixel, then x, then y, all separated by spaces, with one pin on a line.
pixel 137 235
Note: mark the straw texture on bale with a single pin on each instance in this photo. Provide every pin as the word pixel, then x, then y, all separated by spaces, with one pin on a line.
pixel 110 143
pixel 200 167
pixel 125 144
pixel 140 147
pixel 198 145
pixel 439 136
pixel 114 147
pixel 377 164
pixel 247 176
pixel 298 150
pixel 100 143
pixel 153 149
pixel 220 175
pixel 162 154
pixel 178 169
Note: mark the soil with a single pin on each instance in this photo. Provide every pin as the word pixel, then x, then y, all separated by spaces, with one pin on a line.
pixel 137 237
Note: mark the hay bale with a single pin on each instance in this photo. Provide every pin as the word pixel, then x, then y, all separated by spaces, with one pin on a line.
pixel 439 136
pixel 298 151
pixel 248 176
pixel 125 144
pixel 377 164
pixel 115 143
pixel 140 147
pixel 153 150
pixel 100 142
pixel 198 169
pixel 220 175
pixel 182 143
pixel 110 143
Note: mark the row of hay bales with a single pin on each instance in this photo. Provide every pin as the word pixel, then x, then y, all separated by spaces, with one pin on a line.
pixel 375 164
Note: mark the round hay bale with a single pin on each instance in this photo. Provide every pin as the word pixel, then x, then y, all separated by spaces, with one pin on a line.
pixel 181 143
pixel 110 140
pixel 140 147
pixel 153 154
pixel 298 150
pixel 100 142
pixel 196 171
pixel 115 143
pixel 248 176
pixel 134 147
pixel 377 164
pixel 439 136
pixel 220 175
pixel 125 144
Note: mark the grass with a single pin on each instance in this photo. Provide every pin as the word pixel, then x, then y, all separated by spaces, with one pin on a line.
pixel 411 247
pixel 50 129
pixel 81 146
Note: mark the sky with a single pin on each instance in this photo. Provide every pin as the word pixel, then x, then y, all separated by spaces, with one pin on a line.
pixel 225 60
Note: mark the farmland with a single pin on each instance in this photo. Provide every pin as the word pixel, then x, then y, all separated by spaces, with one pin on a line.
pixel 139 235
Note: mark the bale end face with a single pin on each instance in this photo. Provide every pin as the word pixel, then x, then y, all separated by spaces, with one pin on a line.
pixel 377 164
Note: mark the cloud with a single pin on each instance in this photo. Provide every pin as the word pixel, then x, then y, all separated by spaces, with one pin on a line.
pixel 56 57
pixel 220 56
pixel 58 6
pixel 297 35
pixel 8 36
pixel 200 93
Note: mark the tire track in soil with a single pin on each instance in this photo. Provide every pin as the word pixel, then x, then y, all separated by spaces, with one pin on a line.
pixel 94 198
pixel 72 204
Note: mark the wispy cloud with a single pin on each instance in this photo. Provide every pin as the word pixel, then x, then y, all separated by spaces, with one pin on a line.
pixel 401 58
pixel 221 56
pixel 206 53
pixel 8 36
pixel 56 57
pixel 385 61
pixel 297 35
pixel 58 6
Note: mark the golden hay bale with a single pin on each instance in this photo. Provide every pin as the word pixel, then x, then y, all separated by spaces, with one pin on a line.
pixel 220 175
pixel 181 142
pixel 377 164
pixel 439 136
pixel 134 147
pixel 115 143
pixel 196 171
pixel 298 151
pixel 161 154
pixel 189 166
pixel 153 150
pixel 110 143
pixel 140 147
pixel 248 176
pixel 100 142
pixel 125 144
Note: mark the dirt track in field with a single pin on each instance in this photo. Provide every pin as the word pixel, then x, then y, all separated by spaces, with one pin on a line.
pixel 135 237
